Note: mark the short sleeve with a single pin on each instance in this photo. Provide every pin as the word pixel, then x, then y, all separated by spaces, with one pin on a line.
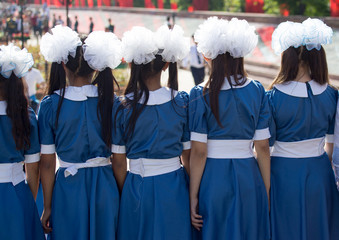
pixel 32 154
pixel 333 124
pixel 45 123
pixel 272 126
pixel 262 130
pixel 118 142
pixel 335 157
pixel 197 116
pixel 186 139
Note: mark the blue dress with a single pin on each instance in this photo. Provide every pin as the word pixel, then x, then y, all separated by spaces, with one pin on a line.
pixel 86 205
pixel 19 218
pixel 232 196
pixel 156 207
pixel 304 199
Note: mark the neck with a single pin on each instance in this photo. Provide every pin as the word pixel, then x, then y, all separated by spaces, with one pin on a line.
pixel 303 74
pixel 80 81
pixel 153 83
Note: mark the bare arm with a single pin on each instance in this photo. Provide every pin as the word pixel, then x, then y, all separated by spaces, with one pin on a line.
pixel 329 150
pixel 47 170
pixel 32 177
pixel 197 166
pixel 185 158
pixel 264 160
pixel 119 165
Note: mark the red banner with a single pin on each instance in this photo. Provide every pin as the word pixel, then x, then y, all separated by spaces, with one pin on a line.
pixel 335 8
pixel 200 4
pixel 254 6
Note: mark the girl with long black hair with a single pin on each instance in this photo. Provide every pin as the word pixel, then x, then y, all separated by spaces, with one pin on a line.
pixel 304 199
pixel 154 134
pixel 81 200
pixel 229 114
pixel 19 144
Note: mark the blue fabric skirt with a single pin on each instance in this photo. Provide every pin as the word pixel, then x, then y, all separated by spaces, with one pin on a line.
pixel 19 218
pixel 154 208
pixel 304 199
pixel 85 206
pixel 233 201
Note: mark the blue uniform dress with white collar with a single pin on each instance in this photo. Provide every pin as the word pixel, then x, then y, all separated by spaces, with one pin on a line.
pixel 155 199
pixel 19 218
pixel 85 200
pixel 304 199
pixel 232 196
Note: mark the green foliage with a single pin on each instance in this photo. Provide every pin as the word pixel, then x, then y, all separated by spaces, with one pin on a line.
pixel 139 3
pixel 299 7
pixel 216 5
pixel 271 7
pixel 184 4
pixel 167 4
pixel 155 3
pixel 233 5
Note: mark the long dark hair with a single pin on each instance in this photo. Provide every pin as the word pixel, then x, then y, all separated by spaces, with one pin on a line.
pixel 224 65
pixel 104 80
pixel 137 87
pixel 292 57
pixel 17 110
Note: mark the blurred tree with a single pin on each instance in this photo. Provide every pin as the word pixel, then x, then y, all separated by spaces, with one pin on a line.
pixel 184 4
pixel 299 7
pixel 138 3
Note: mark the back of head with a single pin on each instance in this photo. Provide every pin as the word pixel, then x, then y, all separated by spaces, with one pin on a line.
pixel 14 93
pixel 225 43
pixel 301 43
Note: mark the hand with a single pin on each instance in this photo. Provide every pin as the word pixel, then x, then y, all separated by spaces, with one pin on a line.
pixel 45 221
pixel 196 219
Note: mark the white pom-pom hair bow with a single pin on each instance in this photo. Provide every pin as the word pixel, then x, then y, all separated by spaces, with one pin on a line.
pixel 13 59
pixel 218 36
pixel 56 47
pixel 312 33
pixel 102 50
pixel 139 45
pixel 173 43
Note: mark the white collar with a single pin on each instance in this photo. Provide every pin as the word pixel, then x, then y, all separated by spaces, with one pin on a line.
pixel 299 89
pixel 3 108
pixel 79 93
pixel 157 97
pixel 226 85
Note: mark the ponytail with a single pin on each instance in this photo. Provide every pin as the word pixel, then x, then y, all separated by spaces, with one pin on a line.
pixel 105 81
pixel 57 81
pixel 17 111
pixel 173 76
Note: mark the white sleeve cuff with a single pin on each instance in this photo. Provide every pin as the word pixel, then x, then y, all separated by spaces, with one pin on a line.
pixel 329 138
pixel 118 149
pixel 186 145
pixel 47 149
pixel 262 134
pixel 199 137
pixel 32 158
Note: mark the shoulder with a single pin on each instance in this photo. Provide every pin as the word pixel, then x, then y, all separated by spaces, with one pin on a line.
pixel 255 84
pixel 197 90
pixel 32 115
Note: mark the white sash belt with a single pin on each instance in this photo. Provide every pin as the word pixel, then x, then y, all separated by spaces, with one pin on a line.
pixel 229 148
pixel 72 168
pixel 146 167
pixel 300 149
pixel 12 173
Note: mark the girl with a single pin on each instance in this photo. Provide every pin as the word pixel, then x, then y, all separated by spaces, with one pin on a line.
pixel 154 132
pixel 228 113
pixel 82 200
pixel 19 144
pixel 304 200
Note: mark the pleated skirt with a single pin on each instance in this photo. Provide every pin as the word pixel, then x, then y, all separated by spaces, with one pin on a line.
pixel 19 218
pixel 233 201
pixel 155 207
pixel 85 206
pixel 304 199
